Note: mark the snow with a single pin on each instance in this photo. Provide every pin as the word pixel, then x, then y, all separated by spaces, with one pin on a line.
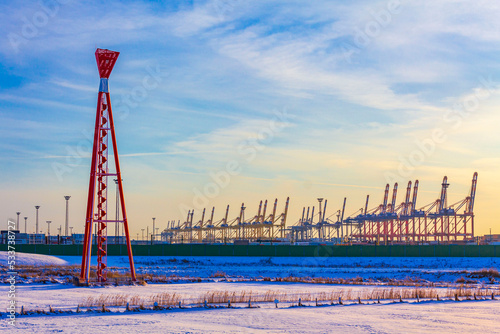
pixel 68 296
pixel 444 317
pixel 376 268
pixel 388 317
pixel 27 259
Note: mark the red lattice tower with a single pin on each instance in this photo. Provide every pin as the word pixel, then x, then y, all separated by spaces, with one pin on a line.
pixel 99 173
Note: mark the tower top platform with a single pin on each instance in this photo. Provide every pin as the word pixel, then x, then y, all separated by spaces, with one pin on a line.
pixel 106 60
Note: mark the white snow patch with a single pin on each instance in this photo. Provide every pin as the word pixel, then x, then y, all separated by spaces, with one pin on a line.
pixel 27 259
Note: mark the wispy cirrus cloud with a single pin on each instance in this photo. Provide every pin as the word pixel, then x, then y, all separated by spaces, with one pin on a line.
pixel 228 65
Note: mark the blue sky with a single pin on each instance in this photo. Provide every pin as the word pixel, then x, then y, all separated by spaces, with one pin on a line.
pixel 320 99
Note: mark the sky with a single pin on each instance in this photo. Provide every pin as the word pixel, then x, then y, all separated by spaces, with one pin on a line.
pixel 230 101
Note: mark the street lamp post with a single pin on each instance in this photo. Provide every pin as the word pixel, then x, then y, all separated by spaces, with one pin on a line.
pixel 48 230
pixel 66 224
pixel 36 225
pixel 319 219
pixel 142 234
pixel 25 224
pixel 153 236
pixel 320 200
pixel 17 226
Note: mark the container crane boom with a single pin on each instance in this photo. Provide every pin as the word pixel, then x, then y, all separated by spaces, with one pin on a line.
pixel 407 199
pixel 394 194
pixel 470 207
pixel 366 204
pixel 386 197
pixel 414 198
pixel 443 197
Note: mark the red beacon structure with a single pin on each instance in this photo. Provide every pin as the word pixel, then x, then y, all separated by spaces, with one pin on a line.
pixel 99 174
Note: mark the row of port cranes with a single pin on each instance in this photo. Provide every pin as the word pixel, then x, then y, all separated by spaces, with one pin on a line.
pixel 387 223
pixel 390 223
pixel 264 226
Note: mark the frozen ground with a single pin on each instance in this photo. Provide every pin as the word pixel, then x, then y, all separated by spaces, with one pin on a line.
pixel 68 297
pixel 388 317
pixel 437 317
pixel 379 268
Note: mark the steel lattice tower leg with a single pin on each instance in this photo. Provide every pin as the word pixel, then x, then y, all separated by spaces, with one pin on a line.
pixel 99 173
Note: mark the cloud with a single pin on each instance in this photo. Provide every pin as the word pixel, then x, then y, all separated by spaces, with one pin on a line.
pixel 226 140
pixel 229 64
pixel 66 84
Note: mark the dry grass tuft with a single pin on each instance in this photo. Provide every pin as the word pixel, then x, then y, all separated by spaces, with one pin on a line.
pixel 491 272
pixel 166 299
pixel 163 299
pixel 218 274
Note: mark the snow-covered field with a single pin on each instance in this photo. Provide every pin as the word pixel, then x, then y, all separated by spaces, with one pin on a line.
pixel 376 268
pixel 68 297
pixel 438 317
pixel 230 274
